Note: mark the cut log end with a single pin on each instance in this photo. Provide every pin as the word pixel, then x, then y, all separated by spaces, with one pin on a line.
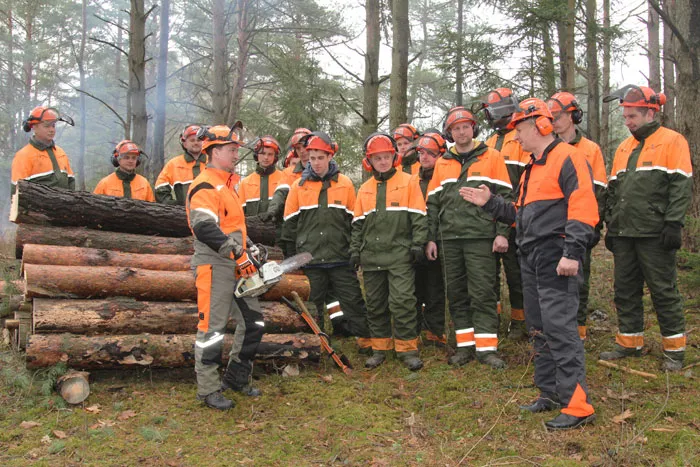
pixel 73 387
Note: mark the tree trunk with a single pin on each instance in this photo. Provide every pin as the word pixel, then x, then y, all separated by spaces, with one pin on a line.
pixel 399 63
pixel 370 103
pixel 45 281
pixel 128 316
pixel 605 109
pixel 549 78
pixel 668 112
pixel 245 35
pixel 38 204
pixel 153 351
pixel 11 79
pixel 158 153
pixel 76 256
pixel 137 72
pixel 416 81
pixel 653 49
pixel 459 72
pixel 567 57
pixel 220 78
pixel 28 65
pixel 593 114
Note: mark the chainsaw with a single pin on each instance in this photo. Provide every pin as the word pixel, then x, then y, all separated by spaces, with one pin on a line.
pixel 269 272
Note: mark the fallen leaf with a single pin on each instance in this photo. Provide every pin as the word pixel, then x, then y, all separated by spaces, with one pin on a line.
pixel 623 416
pixel 101 424
pixel 60 434
pixel 93 408
pixel 46 440
pixel 27 425
pixel 327 378
pixel 125 415
pixel 669 419
pixel 138 393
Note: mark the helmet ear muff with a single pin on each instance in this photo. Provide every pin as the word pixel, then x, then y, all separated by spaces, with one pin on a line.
pixel 544 125
pixel 115 155
pixel 27 125
pixel 447 133
pixel 476 128
pixel 366 164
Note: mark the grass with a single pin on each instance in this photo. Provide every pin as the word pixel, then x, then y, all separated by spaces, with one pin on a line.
pixel 388 416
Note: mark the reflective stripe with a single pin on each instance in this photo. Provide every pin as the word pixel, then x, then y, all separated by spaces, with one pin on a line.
pixel 331 305
pixel 663 169
pixel 282 187
pixel 486 342
pixel 341 206
pixel 260 323
pixel 208 212
pixel 417 211
pixel 491 180
pixel 43 174
pixel 603 184
pixel 289 216
pixel 434 191
pixel 185 182
pixel 336 314
pixel 465 337
pixel 510 162
pixel 212 340
pixel 163 184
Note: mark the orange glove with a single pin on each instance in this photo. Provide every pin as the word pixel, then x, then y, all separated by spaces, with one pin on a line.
pixel 245 266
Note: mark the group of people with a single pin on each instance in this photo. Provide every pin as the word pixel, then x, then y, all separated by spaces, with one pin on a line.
pixel 431 225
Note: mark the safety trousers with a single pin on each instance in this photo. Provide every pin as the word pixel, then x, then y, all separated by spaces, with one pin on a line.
pixel 430 296
pixel 216 303
pixel 551 303
pixel 583 294
pixel 515 286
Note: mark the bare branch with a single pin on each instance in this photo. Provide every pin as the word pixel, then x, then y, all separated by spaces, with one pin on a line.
pixel 111 109
pixel 352 107
pixel 109 44
pixel 109 21
pixel 359 80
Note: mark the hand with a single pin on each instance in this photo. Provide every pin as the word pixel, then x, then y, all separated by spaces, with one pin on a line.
pixel 567 267
pixel 417 255
pixel 671 236
pixel 609 242
pixel 355 261
pixel 266 216
pixel 500 244
pixel 245 266
pixel 478 196
pixel 254 251
pixel 431 251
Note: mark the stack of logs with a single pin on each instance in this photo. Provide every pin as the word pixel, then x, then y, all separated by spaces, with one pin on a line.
pixel 110 285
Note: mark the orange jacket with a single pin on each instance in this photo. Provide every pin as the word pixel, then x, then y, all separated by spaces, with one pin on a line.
pixel 279 197
pixel 138 187
pixel 216 218
pixel 251 190
pixel 176 177
pixel 594 156
pixel 516 159
pixel 37 165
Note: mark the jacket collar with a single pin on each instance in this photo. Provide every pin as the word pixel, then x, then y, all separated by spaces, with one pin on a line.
pixel 577 138
pixel 309 174
pixel 124 176
pixel 383 177
pixel 645 131
pixel 265 171
pixel 426 174
pixel 41 146
pixel 543 159
pixel 190 158
pixel 463 157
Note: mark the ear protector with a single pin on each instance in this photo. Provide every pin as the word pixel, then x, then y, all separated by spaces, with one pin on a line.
pixel 446 123
pixel 576 114
pixel 543 124
pixel 37 114
pixel 115 154
pixel 366 164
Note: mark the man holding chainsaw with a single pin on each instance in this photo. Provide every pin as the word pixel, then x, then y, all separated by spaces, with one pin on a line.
pixel 318 214
pixel 215 215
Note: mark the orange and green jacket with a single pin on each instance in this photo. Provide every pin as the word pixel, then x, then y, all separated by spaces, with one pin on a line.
pixel 650 183
pixel 125 185
pixel 318 214
pixel 176 177
pixel 423 178
pixel 555 199
pixel 410 163
pixel 47 165
pixel 516 159
pixel 215 215
pixel 390 219
pixel 594 157
pixel 449 216
pixel 289 176
pixel 257 189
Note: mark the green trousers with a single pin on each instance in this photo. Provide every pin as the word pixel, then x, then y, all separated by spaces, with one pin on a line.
pixel 584 289
pixel 512 268
pixel 430 295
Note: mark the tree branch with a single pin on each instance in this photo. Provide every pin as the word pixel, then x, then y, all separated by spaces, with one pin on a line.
pixel 109 21
pixel 101 102
pixel 110 44
pixel 359 80
pixel 685 46
pixel 352 107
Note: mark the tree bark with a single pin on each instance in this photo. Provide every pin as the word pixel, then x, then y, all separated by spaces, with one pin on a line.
pixel 399 63
pixel 42 281
pixel 220 53
pixel 668 114
pixel 593 114
pixel 605 109
pixel 121 315
pixel 38 204
pixel 153 351
pixel 137 72
pixel 459 71
pixel 245 35
pixel 158 153
pixel 653 52
pixel 567 57
pixel 549 78
pixel 76 256
pixel 370 89
pixel 80 166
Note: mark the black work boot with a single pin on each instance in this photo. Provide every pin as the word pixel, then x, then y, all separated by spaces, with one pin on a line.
pixel 377 358
pixel 237 378
pixel 463 356
pixel 493 360
pixel 620 352
pixel 216 400
pixel 544 403
pixel 568 422
pixel 411 360
pixel 517 331
pixel 673 361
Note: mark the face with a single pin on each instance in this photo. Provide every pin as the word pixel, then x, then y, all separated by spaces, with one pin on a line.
pixel 225 156
pixel 526 134
pixel 382 161
pixel 302 153
pixel 427 159
pixel 403 145
pixel 293 161
pixel 45 131
pixel 193 145
pixel 266 157
pixel 462 133
pixel 562 122
pixel 635 117
pixel 319 160
pixel 128 161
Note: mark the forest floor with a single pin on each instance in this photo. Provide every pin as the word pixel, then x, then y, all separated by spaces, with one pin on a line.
pixel 388 416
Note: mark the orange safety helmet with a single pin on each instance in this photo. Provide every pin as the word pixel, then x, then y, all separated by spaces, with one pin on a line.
pixel 533 108
pixel 319 140
pixel 217 135
pixel 291 154
pixel 499 106
pixel 267 141
pixel 376 143
pixel 44 114
pixel 432 142
pixel 190 130
pixel 456 115
pixel 565 102
pixel 406 130
pixel 297 136
pixel 125 146
pixel 637 96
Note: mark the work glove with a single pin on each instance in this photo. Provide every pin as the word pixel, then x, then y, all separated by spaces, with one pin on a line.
pixel 417 255
pixel 671 235
pixel 245 266
pixel 355 261
pixel 267 216
pixel 609 242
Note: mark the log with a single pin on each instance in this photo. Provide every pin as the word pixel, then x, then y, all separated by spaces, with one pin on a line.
pixel 47 281
pixel 76 256
pixel 73 387
pixel 625 369
pixel 33 203
pixel 153 351
pixel 127 316
pixel 125 242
